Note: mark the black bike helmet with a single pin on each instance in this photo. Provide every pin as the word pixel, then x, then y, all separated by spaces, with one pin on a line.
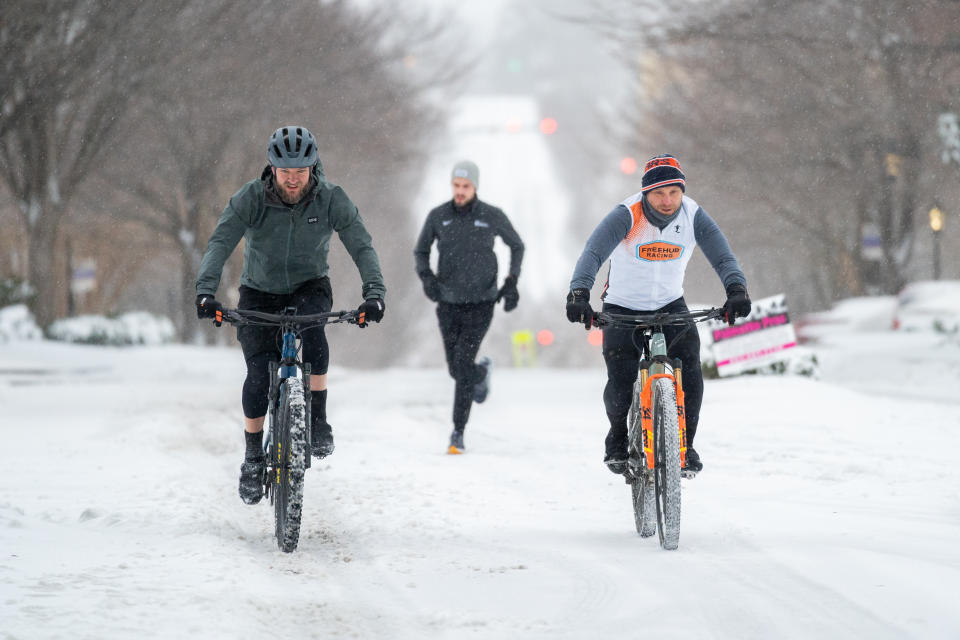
pixel 292 148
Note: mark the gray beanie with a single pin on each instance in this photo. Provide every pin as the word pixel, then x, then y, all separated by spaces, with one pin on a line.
pixel 468 170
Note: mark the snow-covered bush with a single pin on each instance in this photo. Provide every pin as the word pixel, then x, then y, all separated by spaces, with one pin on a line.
pixel 16 323
pixel 14 291
pixel 136 327
pixel 145 328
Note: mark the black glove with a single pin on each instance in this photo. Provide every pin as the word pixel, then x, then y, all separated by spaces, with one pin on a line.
pixel 431 286
pixel 737 304
pixel 508 292
pixel 370 311
pixel 207 307
pixel 578 307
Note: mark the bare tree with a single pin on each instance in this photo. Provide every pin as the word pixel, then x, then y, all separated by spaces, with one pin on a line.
pixel 203 125
pixel 814 117
pixel 69 71
pixel 190 124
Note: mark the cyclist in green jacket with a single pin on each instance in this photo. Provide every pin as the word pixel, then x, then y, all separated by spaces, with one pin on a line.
pixel 286 217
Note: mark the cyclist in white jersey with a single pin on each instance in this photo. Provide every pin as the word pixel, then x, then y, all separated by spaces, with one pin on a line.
pixel 649 239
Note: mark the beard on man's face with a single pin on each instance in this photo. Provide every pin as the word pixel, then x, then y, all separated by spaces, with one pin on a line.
pixel 286 195
pixel 291 197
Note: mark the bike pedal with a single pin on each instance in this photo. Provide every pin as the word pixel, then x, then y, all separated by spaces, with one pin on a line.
pixel 688 474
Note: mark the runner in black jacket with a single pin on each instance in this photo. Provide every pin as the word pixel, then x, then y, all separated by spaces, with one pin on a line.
pixel 465 285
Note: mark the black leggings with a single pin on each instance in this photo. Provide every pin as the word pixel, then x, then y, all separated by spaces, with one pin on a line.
pixel 463 327
pixel 261 345
pixel 623 359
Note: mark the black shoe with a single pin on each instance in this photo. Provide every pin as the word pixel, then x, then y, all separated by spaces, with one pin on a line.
pixel 321 439
pixel 615 447
pixel 693 461
pixel 616 462
pixel 482 388
pixel 251 480
pixel 456 443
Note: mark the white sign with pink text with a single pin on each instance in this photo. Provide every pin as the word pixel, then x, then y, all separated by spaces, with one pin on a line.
pixel 763 337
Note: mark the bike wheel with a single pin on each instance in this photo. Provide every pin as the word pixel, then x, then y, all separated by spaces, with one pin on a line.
pixel 644 507
pixel 641 489
pixel 290 452
pixel 666 477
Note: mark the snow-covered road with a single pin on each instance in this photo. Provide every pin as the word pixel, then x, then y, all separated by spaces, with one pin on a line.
pixel 827 508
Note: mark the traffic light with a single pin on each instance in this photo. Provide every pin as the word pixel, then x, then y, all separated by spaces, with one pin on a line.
pixel 595 337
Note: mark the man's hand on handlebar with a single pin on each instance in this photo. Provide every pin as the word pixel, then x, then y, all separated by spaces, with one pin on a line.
pixel 370 311
pixel 738 303
pixel 579 309
pixel 208 307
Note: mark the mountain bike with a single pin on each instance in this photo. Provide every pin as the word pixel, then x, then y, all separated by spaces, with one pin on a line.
pixel 286 440
pixel 656 424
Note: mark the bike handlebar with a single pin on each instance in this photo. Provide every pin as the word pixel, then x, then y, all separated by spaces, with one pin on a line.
pixel 650 321
pixel 243 317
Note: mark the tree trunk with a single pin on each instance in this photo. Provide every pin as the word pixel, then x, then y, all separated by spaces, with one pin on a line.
pixel 41 274
pixel 186 318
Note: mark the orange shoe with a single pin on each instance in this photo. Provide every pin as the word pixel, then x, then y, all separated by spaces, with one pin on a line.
pixel 456 443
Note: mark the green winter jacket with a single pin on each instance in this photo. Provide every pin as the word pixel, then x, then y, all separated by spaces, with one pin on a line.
pixel 287 245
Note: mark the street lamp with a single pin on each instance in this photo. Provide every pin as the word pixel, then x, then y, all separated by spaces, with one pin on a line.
pixel 936 223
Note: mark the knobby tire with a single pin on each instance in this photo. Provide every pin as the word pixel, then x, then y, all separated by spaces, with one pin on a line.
pixel 291 455
pixel 666 433
pixel 641 488
pixel 644 509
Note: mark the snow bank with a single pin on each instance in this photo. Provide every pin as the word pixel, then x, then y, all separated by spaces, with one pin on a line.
pixel 136 327
pixel 16 323
pixel 873 313
pixel 931 305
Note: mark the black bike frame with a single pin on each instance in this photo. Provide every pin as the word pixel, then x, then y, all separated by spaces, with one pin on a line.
pixel 290 326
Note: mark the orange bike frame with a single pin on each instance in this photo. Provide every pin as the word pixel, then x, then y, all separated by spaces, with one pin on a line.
pixel 646 417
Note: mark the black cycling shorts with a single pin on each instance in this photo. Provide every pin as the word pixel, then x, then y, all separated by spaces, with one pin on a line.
pixel 313 296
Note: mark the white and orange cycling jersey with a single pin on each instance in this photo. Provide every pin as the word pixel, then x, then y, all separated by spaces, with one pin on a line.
pixel 647 266
pixel 648 261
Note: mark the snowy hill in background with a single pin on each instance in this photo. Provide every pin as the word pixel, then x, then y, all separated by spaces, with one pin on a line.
pixel 827 509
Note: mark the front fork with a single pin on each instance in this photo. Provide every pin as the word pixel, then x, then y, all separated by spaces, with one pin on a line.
pixel 645 381
pixel 681 411
pixel 269 446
